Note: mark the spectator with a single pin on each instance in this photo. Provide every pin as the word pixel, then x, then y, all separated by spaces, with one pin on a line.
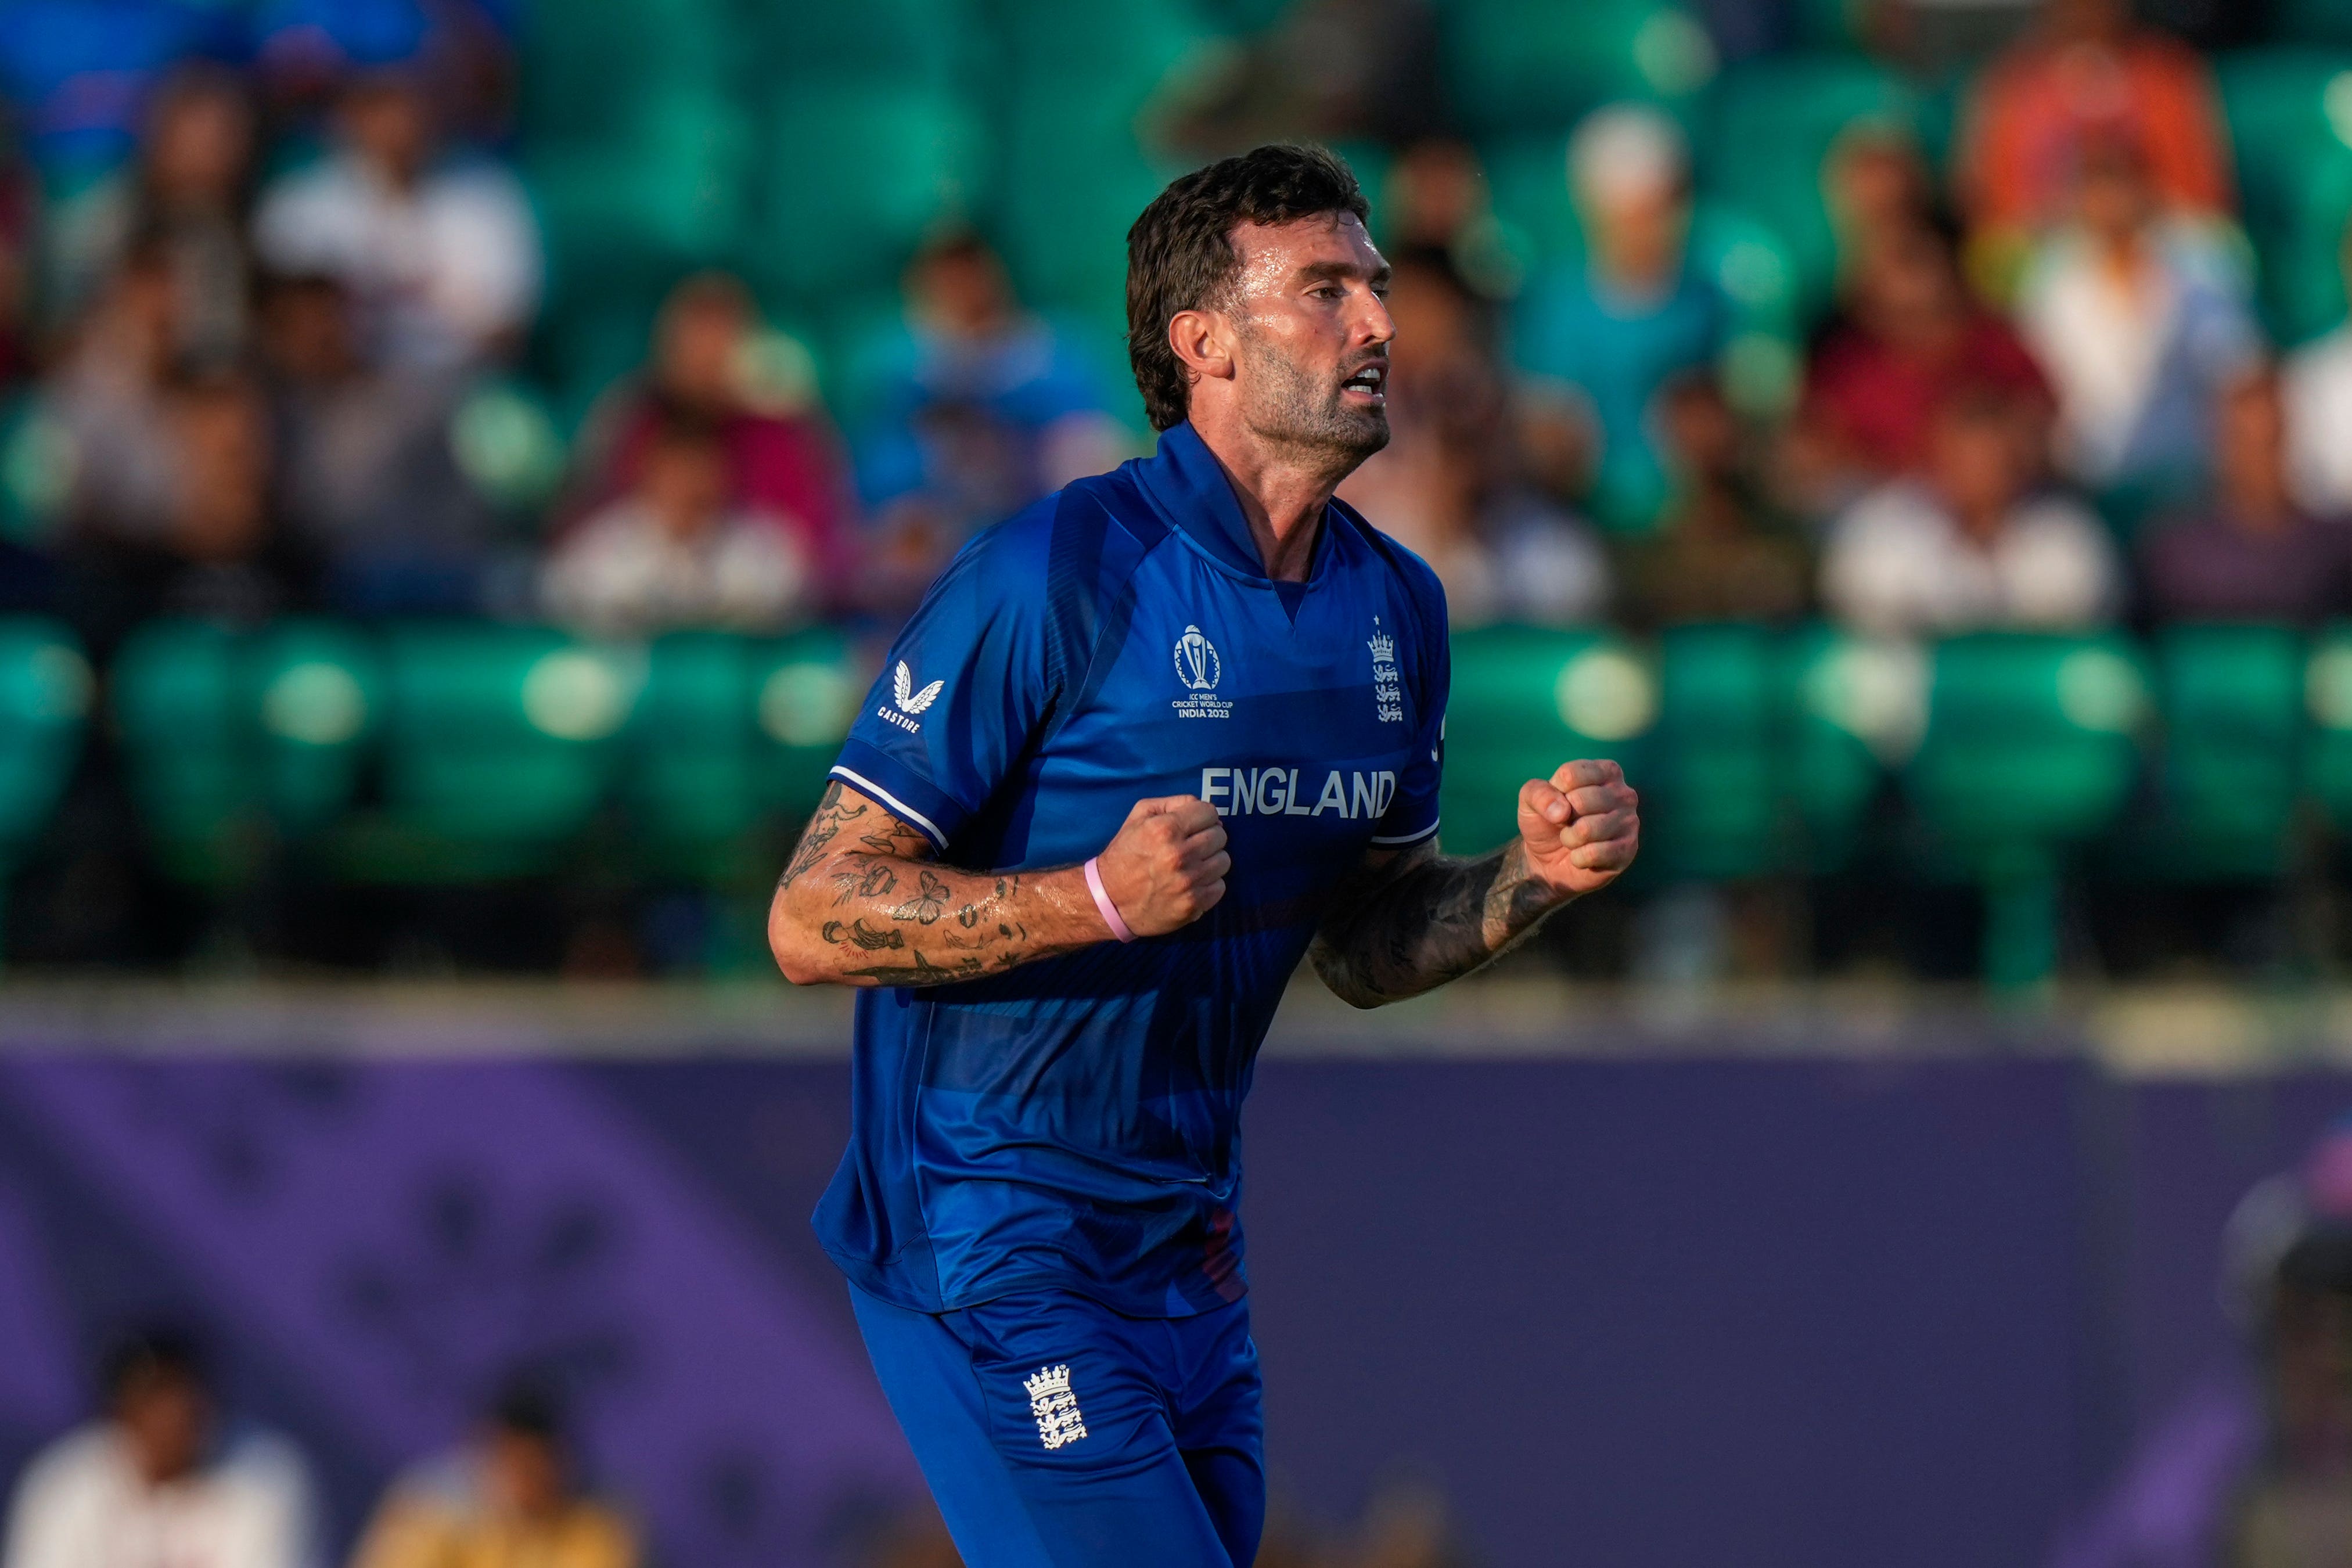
pixel 674 551
pixel 2250 554
pixel 215 551
pixel 2318 393
pixel 2086 74
pixel 78 73
pixel 974 409
pixel 1444 487
pixel 188 191
pixel 1719 555
pixel 783 456
pixel 368 473
pixel 509 1499
pixel 2139 320
pixel 1969 545
pixel 1909 330
pixel 440 254
pixel 157 1480
pixel 1436 198
pixel 1633 315
pixel 109 395
pixel 1878 188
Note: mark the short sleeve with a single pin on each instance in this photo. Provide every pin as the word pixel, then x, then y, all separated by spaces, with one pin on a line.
pixel 1411 816
pixel 964 690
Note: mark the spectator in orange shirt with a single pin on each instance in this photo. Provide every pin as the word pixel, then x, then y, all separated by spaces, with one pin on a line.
pixel 2086 70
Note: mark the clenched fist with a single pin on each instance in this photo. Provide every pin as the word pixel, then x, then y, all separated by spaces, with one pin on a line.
pixel 1167 866
pixel 1581 827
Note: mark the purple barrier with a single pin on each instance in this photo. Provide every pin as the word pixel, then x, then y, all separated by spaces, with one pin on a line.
pixel 1626 1312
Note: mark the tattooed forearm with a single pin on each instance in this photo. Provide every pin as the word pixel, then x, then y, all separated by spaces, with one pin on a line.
pixel 832 816
pixel 1421 920
pixel 864 903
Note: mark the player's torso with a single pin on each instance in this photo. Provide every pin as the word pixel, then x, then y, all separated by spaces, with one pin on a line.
pixel 1295 727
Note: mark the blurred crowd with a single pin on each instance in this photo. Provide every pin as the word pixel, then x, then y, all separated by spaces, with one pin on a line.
pixel 268 311
pixel 169 1473
pixel 281 328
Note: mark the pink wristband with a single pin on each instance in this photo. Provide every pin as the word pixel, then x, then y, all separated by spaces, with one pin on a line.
pixel 1102 902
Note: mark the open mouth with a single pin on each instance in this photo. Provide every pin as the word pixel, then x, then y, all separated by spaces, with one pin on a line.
pixel 1369 382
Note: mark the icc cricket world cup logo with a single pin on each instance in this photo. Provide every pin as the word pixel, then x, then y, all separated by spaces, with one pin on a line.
pixel 1197 665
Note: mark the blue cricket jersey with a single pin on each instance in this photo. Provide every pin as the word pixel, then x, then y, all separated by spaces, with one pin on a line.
pixel 1073 1123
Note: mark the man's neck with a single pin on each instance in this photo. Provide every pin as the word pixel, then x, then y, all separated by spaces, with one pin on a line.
pixel 1283 492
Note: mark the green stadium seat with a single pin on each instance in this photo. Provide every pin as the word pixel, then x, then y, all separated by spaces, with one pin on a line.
pixel 930 43
pixel 856 174
pixel 1524 700
pixel 1714 794
pixel 500 744
pixel 1857 709
pixel 1521 65
pixel 2311 22
pixel 2030 749
pixel 1772 126
pixel 1080 79
pixel 237 742
pixel 45 693
pixel 729 746
pixel 2327 757
pixel 2290 118
pixel 2231 776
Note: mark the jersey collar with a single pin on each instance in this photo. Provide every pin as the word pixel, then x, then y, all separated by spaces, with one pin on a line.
pixel 1188 486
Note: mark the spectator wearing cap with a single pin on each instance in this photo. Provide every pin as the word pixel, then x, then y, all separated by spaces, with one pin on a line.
pixel 1969 545
pixel 2140 318
pixel 1615 327
pixel 712 356
pixel 439 252
pixel 675 551
pixel 510 1499
pixel 160 1478
pixel 2248 552
pixel 1445 485
pixel 2086 73
pixel 188 192
pixel 968 412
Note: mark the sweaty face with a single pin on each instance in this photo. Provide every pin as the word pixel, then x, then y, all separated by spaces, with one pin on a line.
pixel 1314 333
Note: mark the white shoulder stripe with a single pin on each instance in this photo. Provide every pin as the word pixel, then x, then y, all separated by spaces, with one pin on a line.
pixel 1399 838
pixel 900 806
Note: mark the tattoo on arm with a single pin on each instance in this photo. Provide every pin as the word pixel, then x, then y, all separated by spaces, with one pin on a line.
pixel 1410 925
pixel 882 911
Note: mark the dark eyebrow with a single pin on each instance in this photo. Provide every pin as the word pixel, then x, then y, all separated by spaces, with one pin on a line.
pixel 1342 271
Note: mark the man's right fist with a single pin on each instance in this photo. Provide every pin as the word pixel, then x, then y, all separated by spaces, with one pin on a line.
pixel 1167 866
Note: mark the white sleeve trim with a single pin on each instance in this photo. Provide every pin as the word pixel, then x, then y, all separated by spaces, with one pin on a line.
pixel 1402 837
pixel 900 806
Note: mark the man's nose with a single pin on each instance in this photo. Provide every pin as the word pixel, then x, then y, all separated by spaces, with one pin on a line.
pixel 1373 325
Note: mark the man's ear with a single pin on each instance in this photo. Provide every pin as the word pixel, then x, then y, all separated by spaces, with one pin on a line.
pixel 1204 344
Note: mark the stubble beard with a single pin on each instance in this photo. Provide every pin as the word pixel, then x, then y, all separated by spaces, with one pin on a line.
pixel 1288 407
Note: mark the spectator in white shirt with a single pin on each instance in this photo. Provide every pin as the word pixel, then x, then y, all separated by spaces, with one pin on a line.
pixel 1971 545
pixel 2318 387
pixel 2140 318
pixel 155 1484
pixel 674 552
pixel 441 254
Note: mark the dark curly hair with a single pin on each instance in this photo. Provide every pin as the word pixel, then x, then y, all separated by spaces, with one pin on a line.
pixel 1180 255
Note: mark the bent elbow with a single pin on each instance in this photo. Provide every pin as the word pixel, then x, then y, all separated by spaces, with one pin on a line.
pixel 800 963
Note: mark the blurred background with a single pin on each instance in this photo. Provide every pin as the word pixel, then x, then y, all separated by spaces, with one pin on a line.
pixel 460 462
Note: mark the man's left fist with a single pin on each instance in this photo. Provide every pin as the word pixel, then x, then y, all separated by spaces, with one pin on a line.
pixel 1580 827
